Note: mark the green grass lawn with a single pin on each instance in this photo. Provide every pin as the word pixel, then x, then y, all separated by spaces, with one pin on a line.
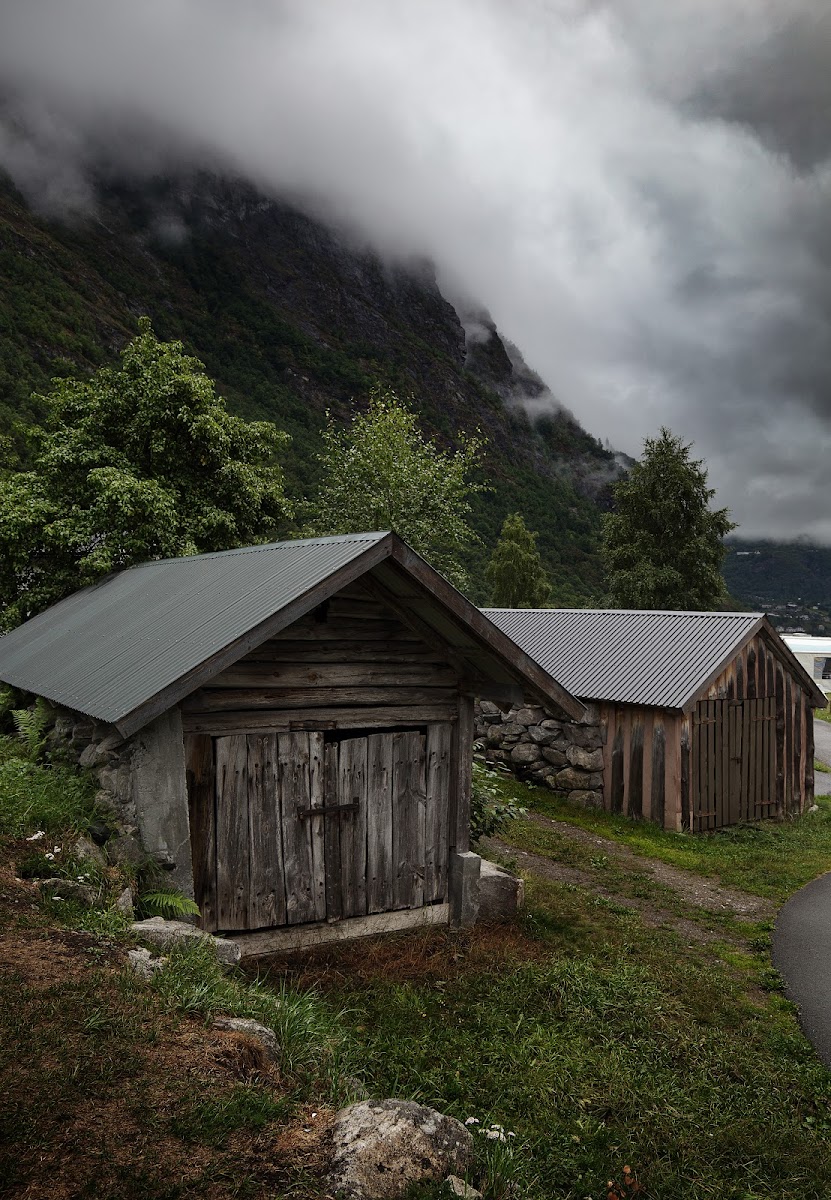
pixel 594 1041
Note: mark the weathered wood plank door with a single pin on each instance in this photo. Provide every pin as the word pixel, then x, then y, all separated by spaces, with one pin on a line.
pixel 733 761
pixel 293 828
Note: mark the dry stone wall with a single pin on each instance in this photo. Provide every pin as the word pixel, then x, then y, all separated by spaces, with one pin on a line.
pixel 563 755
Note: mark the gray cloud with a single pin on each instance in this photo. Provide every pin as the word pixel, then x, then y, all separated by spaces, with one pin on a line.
pixel 638 191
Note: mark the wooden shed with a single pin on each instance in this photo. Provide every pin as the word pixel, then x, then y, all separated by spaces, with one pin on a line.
pixel 287 726
pixel 706 718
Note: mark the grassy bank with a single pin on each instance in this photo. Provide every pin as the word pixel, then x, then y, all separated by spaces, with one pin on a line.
pixel 580 1038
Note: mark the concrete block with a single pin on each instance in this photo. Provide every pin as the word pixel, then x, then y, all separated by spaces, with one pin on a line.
pixel 501 894
pixel 464 887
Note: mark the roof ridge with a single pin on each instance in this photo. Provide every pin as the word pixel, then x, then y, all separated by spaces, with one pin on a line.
pixel 258 547
pixel 639 612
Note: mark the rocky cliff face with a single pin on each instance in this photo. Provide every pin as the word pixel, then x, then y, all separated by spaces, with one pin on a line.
pixel 294 318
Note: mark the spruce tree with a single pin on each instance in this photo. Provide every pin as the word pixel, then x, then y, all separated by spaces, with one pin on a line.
pixel 662 544
pixel 515 572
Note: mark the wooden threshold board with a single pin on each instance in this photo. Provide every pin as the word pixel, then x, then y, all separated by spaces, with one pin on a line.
pixel 301 937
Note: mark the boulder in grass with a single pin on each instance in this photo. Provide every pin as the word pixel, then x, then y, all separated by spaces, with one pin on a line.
pixel 259 1033
pixel 68 889
pixel 381 1148
pixel 165 934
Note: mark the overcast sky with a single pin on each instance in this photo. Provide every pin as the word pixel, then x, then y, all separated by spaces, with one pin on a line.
pixel 638 190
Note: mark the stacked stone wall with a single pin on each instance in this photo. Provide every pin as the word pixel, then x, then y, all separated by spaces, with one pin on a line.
pixel 563 755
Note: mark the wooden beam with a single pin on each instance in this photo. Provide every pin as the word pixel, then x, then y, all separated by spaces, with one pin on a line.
pixel 280 941
pixel 385 717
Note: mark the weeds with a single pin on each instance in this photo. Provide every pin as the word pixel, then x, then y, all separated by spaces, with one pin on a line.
pixel 37 796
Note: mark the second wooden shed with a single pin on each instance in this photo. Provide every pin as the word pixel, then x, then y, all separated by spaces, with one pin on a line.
pixel 706 717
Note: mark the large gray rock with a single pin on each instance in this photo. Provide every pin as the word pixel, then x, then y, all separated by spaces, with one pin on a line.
pixel 525 753
pixel 543 737
pixel 144 964
pixel 528 716
pixel 165 934
pixel 125 850
pixel 572 778
pixel 501 894
pixel 85 850
pixel 255 1030
pixel 494 735
pixel 587 799
pixel 553 756
pixel 68 889
pixel 380 1148
pixel 587 760
pixel 587 736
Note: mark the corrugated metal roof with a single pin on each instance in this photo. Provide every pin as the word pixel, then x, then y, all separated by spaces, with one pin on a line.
pixel 109 648
pixel 634 657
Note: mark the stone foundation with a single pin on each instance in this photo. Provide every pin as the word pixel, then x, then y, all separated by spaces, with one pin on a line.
pixel 563 755
pixel 142 785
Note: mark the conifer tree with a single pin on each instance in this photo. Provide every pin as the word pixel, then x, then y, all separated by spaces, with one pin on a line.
pixel 662 544
pixel 515 571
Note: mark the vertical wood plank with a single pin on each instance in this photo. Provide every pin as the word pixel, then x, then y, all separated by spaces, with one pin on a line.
pixel 659 772
pixel 672 811
pixel 295 794
pixel 201 784
pixel 617 768
pixel 379 822
pixel 331 835
pixel 352 788
pixel 751 672
pixel 684 771
pixel 798 779
pixel 462 760
pixel 646 758
pixel 267 895
pixel 789 746
pixel 780 740
pixel 436 818
pixel 232 839
pixel 409 805
pixel 740 692
pixel 636 770
pixel 317 799
pixel 626 726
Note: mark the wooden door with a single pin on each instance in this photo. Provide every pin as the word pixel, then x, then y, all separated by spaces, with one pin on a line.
pixel 733 762
pixel 288 829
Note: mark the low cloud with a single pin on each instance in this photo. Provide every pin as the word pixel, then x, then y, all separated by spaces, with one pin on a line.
pixel 639 192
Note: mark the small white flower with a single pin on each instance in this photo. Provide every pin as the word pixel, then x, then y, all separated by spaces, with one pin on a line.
pixel 471 1120
pixel 58 898
pixel 49 856
pixel 56 849
pixel 36 836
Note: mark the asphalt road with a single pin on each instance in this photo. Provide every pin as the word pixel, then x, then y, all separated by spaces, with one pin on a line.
pixel 802 955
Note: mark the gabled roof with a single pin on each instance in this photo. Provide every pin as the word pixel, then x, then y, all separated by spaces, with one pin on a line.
pixel 661 659
pixel 136 643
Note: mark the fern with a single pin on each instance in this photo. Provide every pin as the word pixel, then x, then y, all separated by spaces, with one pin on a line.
pixel 30 725
pixel 169 905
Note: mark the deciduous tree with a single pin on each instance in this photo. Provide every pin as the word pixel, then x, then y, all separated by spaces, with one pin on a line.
pixel 382 473
pixel 137 462
pixel 662 543
pixel 515 572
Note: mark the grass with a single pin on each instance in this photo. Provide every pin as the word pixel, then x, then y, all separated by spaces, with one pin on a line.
pixel 41 796
pixel 770 859
pixel 592 1041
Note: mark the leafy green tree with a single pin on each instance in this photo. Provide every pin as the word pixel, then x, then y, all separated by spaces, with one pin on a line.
pixel 515 571
pixel 662 543
pixel 137 462
pixel 382 473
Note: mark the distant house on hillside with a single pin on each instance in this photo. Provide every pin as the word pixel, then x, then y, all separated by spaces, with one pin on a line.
pixel 705 719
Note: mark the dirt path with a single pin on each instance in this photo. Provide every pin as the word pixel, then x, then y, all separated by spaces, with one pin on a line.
pixel 704 894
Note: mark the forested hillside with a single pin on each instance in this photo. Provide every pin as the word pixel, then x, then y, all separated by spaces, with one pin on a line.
pixel 789 580
pixel 292 321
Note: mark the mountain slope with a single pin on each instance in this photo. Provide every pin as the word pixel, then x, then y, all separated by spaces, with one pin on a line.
pixel 292 321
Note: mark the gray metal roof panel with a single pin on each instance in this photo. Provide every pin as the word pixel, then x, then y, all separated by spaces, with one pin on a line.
pixel 633 657
pixel 109 648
